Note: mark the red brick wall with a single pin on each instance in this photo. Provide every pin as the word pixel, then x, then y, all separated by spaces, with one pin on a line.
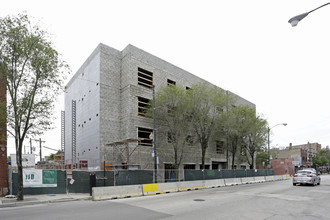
pixel 282 166
pixel 3 142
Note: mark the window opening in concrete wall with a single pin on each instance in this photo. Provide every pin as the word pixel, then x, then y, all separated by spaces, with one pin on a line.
pixel 144 134
pixel 207 166
pixel 220 147
pixel 170 137
pixel 145 78
pixel 243 151
pixel 143 105
pixel 189 140
pixel 171 82
pixel 215 165
pixel 189 166
pixel 171 110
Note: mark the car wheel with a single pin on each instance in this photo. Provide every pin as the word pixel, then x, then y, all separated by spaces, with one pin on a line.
pixel 294 184
pixel 319 182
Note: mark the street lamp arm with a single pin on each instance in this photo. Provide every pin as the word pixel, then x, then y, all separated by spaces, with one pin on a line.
pixel 295 20
pixel 285 124
pixel 319 7
pixel 268 141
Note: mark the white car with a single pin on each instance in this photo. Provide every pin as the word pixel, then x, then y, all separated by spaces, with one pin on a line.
pixel 306 177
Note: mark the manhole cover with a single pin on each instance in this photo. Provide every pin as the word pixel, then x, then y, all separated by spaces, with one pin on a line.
pixel 199 200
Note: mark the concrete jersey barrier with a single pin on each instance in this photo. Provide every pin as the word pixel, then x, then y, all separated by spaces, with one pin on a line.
pixel 247 180
pixel 114 192
pixel 233 181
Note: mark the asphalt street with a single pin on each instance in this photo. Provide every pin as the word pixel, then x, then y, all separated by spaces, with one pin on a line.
pixel 270 200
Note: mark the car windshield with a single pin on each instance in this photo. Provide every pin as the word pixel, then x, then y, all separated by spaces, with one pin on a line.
pixel 304 172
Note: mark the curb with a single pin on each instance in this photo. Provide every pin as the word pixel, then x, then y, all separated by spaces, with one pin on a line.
pixel 18 204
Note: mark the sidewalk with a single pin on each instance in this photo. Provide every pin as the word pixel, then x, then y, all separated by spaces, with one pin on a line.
pixel 45 198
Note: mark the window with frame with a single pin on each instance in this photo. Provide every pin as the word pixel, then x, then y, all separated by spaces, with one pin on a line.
pixel 145 78
pixel 189 140
pixel 243 151
pixel 144 135
pixel 171 82
pixel 143 106
pixel 171 110
pixel 220 147
pixel 170 137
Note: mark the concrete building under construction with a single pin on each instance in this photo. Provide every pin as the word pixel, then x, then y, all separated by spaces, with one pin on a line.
pixel 104 119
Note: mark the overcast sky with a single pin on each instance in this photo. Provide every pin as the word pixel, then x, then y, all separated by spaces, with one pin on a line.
pixel 247 47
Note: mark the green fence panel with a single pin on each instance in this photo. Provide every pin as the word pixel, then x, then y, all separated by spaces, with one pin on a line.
pixel 190 175
pixel 250 173
pixel 227 174
pixel 133 177
pixel 240 173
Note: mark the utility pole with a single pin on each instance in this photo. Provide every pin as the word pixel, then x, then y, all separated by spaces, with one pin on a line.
pixel 154 131
pixel 40 149
pixel 30 146
pixel 40 145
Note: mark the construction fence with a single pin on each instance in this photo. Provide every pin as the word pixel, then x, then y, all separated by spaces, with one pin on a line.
pixel 37 181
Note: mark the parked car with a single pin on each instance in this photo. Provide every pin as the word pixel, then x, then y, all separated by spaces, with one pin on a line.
pixel 306 176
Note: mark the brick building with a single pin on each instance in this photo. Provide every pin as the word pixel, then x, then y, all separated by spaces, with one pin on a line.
pixel 103 105
pixel 300 156
pixel 3 139
pixel 283 166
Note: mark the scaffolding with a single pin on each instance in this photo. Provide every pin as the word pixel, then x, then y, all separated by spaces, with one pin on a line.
pixel 62 138
pixel 122 152
pixel 74 155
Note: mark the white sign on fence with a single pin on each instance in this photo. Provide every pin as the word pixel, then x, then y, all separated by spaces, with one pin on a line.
pixel 39 178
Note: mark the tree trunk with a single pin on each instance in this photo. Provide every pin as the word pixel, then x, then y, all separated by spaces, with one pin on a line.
pixel 252 165
pixel 20 195
pixel 204 146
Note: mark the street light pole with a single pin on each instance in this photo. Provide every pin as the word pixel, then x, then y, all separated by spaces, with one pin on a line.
pixel 268 132
pixel 154 132
pixel 295 20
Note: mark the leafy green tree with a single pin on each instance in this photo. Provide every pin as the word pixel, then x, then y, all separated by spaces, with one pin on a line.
pixel 256 134
pixel 34 72
pixel 320 159
pixel 51 157
pixel 262 158
pixel 173 122
pixel 236 130
pixel 207 105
